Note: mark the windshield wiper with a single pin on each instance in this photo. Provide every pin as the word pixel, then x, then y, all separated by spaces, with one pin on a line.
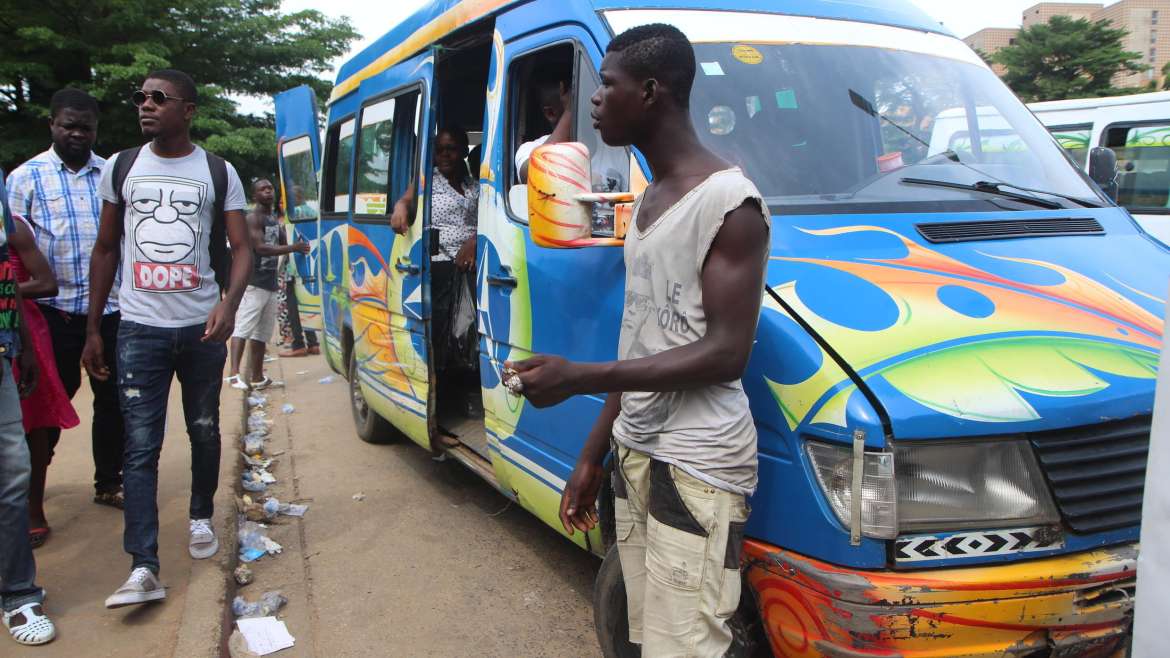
pixel 987 187
pixel 1086 203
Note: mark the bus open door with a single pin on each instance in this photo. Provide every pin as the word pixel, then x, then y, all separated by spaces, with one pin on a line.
pixel 299 160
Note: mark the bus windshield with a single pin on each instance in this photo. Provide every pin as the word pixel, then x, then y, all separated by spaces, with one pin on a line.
pixel 839 128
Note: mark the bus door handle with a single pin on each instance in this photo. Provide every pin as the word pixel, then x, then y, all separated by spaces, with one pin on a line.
pixel 407 267
pixel 502 280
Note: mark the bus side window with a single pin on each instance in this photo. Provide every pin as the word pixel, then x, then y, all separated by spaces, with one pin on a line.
pixel 336 171
pixel 1143 160
pixel 372 178
pixel 300 181
pixel 387 145
pixel 533 79
pixel 404 162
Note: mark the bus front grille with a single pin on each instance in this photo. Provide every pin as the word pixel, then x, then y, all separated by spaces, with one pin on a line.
pixel 1097 472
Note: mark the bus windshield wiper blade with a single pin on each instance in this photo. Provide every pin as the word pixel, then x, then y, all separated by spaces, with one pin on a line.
pixel 1077 200
pixel 986 187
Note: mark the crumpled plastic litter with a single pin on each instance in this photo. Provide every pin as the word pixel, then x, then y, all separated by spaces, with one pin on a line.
pixel 254 541
pixel 287 408
pixel 256 400
pixel 328 379
pixel 243 574
pixel 253 443
pixel 251 539
pixel 359 496
pixel 272 507
pixel 267 606
pixel 252 482
pixel 258 462
pixel 259 423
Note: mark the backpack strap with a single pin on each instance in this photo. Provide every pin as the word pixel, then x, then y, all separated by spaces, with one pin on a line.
pixel 123 161
pixel 221 259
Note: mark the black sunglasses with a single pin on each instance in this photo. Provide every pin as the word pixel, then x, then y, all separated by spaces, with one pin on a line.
pixel 156 96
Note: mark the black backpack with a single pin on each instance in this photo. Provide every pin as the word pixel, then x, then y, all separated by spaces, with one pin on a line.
pixel 221 258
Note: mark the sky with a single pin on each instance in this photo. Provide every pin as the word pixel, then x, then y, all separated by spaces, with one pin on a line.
pixel 373 19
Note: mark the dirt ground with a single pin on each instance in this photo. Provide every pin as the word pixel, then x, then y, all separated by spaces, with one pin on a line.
pixel 82 562
pixel 432 562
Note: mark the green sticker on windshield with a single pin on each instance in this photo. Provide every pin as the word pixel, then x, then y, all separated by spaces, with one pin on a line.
pixel 786 99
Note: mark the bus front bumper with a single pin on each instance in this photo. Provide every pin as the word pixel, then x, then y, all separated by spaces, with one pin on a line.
pixel 1073 605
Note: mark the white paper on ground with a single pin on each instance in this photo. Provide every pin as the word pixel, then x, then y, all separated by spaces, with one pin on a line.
pixel 265 635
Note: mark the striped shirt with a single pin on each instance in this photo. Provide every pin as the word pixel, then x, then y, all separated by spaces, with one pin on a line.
pixel 64 208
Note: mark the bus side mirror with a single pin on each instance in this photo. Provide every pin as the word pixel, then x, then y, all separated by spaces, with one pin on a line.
pixel 560 198
pixel 1103 170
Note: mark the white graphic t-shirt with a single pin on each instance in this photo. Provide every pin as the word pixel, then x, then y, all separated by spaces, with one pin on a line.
pixel 167 279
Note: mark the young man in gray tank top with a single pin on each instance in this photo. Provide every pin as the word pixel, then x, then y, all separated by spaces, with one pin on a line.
pixel 256 318
pixel 683 436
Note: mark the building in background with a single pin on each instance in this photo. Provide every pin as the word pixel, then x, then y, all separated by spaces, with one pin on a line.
pixel 1141 19
pixel 1043 12
pixel 1145 23
pixel 990 39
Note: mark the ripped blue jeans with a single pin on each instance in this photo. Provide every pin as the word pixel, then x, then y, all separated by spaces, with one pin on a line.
pixel 148 358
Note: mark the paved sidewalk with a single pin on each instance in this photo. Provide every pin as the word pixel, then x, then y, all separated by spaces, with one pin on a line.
pixel 82 563
pixel 431 562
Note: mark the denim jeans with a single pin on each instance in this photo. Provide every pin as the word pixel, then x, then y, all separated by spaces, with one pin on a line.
pixel 17 568
pixel 107 432
pixel 148 358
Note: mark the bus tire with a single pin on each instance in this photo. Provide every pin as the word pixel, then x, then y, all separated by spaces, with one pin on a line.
pixel 370 427
pixel 612 624
pixel 610 616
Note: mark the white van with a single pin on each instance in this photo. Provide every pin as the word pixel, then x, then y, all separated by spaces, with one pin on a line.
pixel 1137 128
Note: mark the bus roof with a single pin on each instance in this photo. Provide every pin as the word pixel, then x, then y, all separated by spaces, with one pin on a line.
pixel 1091 103
pixel 438 18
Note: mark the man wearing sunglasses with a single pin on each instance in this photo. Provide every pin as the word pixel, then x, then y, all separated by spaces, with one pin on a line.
pixel 167 208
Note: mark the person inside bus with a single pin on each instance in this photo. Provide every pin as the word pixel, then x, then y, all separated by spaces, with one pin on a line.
pixel 454 204
pixel 556 106
pixel 609 166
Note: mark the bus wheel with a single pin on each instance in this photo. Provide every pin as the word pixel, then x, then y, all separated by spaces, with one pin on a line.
pixel 613 625
pixel 610 610
pixel 371 427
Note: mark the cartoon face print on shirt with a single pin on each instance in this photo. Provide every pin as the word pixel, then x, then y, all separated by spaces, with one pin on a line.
pixel 165 227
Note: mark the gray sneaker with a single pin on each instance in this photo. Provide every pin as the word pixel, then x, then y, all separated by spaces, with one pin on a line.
pixel 141 587
pixel 203 542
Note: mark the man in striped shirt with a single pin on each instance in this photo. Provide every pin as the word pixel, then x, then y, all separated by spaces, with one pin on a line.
pixel 57 191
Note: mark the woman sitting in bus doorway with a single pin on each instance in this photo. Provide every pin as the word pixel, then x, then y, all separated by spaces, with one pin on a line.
pixel 454 205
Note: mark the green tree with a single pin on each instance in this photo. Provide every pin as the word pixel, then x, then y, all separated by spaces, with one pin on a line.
pixel 1066 58
pixel 106 47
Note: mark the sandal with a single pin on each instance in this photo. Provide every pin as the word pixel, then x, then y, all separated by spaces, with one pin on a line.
pixel 261 385
pixel 111 499
pixel 29 625
pixel 37 536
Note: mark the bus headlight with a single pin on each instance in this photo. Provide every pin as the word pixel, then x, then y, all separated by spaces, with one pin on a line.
pixel 833 465
pixel 924 487
pixel 973 484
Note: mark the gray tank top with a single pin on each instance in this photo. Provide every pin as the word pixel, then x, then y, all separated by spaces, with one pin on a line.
pixel 708 432
pixel 264 267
